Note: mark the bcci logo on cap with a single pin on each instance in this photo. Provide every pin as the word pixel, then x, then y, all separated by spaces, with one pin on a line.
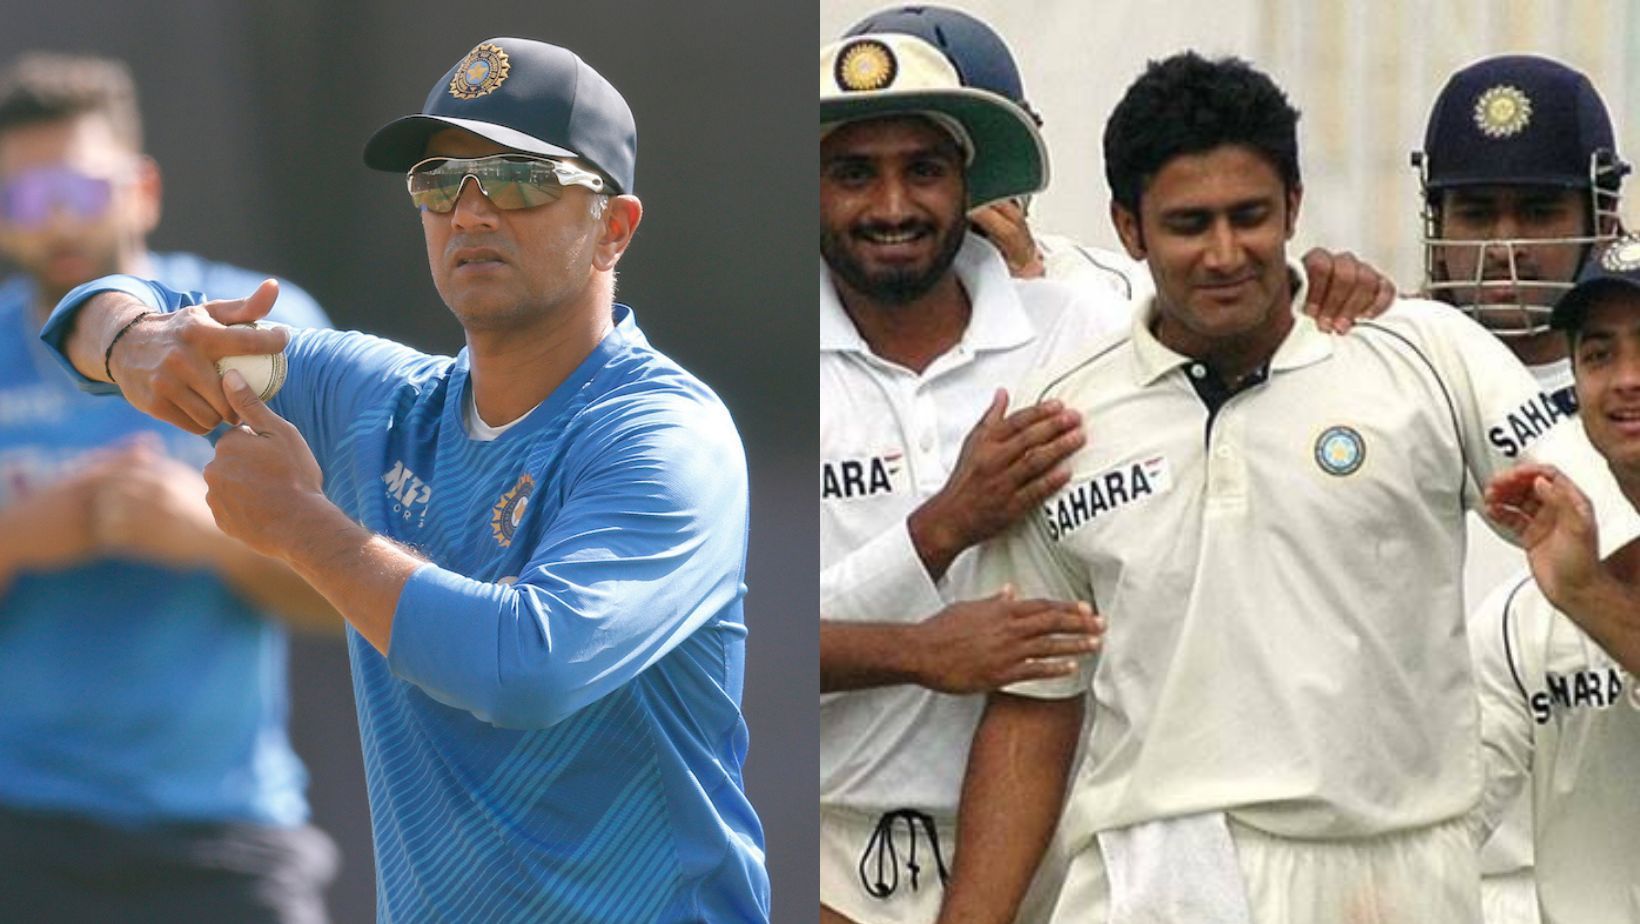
pixel 1340 451
pixel 1502 111
pixel 866 65
pixel 484 69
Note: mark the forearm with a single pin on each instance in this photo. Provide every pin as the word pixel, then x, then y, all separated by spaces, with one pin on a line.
pixel 1018 769
pixel 360 573
pixel 94 326
pixel 15 546
pixel 883 578
pixel 1608 609
pixel 275 587
pixel 855 656
pixel 936 542
pixel 17 539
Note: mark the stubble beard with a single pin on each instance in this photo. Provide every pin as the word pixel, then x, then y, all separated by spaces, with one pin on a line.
pixel 892 287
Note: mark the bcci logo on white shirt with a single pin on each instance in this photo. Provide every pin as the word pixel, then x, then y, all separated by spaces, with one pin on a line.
pixel 1340 451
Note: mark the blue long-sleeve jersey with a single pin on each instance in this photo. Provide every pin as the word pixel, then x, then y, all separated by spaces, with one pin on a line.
pixel 555 733
pixel 132 694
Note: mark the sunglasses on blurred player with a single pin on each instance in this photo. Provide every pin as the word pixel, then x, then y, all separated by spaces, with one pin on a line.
pixel 29 198
pixel 510 181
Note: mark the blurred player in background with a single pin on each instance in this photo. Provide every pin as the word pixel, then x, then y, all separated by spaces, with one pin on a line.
pixel 1520 178
pixel 1559 688
pixel 540 542
pixel 145 772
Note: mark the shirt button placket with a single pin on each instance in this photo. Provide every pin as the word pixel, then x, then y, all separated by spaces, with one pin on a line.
pixel 925 440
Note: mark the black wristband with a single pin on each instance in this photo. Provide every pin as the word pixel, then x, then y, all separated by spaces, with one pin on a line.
pixel 108 354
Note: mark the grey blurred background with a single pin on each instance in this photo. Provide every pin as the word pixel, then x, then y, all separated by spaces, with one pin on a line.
pixel 256 113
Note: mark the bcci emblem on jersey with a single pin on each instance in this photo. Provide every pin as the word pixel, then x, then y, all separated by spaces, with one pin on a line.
pixel 509 510
pixel 1340 451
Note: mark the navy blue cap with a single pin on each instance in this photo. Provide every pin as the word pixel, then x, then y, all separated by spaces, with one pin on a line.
pixel 526 95
pixel 1616 267
pixel 1517 119
pixel 979 54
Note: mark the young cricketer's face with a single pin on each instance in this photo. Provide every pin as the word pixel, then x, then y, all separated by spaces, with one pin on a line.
pixel 499 269
pixel 1213 228
pixel 79 202
pixel 892 201
pixel 1606 361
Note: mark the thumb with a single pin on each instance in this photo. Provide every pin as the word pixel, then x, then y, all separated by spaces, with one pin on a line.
pixel 1568 499
pixel 1318 266
pixel 252 307
pixel 998 408
pixel 250 408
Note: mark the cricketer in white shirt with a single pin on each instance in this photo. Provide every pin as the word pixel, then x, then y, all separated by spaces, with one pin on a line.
pixel 1279 572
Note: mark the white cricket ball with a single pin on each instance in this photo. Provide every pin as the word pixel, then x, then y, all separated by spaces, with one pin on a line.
pixel 264 372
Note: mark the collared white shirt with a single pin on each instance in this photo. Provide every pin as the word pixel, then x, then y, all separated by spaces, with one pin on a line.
pixel 1078 264
pixel 1490 560
pixel 1280 576
pixel 889 438
pixel 1562 729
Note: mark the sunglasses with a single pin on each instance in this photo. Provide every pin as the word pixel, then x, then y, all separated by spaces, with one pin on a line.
pixel 509 181
pixel 29 198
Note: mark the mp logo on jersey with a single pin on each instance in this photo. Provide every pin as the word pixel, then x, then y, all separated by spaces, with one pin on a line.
pixel 409 493
pixel 509 510
pixel 846 479
pixel 1103 493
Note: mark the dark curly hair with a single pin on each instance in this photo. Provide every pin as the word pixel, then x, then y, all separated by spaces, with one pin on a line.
pixel 1187 104
pixel 47 86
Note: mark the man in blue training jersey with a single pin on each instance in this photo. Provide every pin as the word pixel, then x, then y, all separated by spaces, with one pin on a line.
pixel 540 543
pixel 145 772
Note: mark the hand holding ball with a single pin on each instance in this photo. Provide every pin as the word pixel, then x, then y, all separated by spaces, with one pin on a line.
pixel 264 372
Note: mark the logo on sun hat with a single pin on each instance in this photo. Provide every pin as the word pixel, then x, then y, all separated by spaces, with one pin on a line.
pixel 484 69
pixel 866 65
pixel 525 95
pixel 883 75
pixel 1502 111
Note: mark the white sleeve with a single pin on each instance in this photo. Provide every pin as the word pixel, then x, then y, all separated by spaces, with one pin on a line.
pixel 1023 557
pixel 881 581
pixel 1495 639
pixel 1502 416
